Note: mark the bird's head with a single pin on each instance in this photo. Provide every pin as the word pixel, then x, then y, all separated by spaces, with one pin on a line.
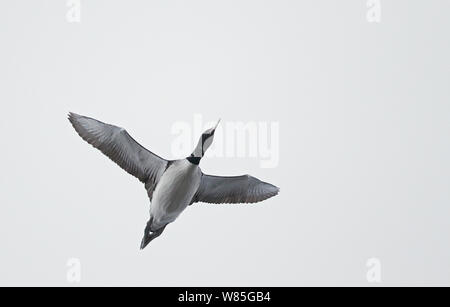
pixel 204 142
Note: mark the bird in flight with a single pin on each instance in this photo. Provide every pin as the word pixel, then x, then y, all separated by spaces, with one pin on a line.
pixel 172 185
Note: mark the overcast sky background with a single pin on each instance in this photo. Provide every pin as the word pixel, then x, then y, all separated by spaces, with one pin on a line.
pixel 363 110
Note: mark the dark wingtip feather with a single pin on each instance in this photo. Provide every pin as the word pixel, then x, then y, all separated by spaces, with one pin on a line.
pixel 277 190
pixel 274 190
pixel 72 117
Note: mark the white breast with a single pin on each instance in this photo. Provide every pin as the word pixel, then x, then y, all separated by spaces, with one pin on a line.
pixel 174 192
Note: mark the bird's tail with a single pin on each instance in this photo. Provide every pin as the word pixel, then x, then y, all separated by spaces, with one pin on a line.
pixel 150 235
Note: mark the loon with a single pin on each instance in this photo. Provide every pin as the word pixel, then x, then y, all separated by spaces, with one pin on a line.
pixel 172 185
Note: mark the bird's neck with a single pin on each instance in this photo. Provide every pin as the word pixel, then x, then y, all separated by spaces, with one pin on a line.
pixel 194 160
pixel 197 154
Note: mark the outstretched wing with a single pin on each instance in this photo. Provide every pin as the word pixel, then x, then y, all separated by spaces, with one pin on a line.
pixel 119 146
pixel 233 190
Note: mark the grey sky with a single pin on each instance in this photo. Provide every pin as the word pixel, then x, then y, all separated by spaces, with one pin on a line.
pixel 363 111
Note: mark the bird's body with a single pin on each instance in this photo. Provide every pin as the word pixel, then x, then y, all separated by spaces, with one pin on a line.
pixel 171 185
pixel 174 192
